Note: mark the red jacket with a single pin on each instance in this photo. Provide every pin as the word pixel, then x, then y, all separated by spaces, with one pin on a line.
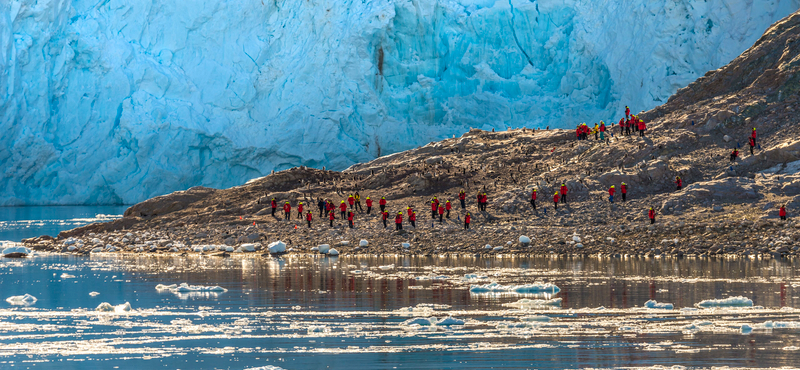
pixel 433 206
pixel 369 202
pixel 412 217
pixel 382 202
pixel 385 215
pixel 447 206
pixel 564 190
pixel 308 216
pixel 329 206
pixel 611 191
pixel 752 142
pixel 627 111
pixel 462 195
pixel 533 195
pixel 642 126
pixel 467 219
pixel 753 135
pixel 350 216
pixel 331 216
pixel 342 207
pixel 624 189
pixel 351 200
pixel 622 122
pixel 651 214
pixel 735 153
pixel 398 219
pixel 603 128
pixel 782 212
pixel 556 198
pixel 287 207
pixel 679 182
pixel 274 204
pixel 441 210
pixel 300 208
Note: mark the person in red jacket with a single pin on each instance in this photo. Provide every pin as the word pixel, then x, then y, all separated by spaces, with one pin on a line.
pixel 642 127
pixel 564 193
pixel 274 204
pixel 382 203
pixel 555 200
pixel 308 218
pixel 652 215
pixel 433 209
pixel 351 200
pixel 782 213
pixel 287 210
pixel 462 196
pixel 300 211
pixel 384 216
pixel 485 201
pixel 534 195
pixel 342 209
pixel 602 131
pixel 621 126
pixel 467 220
pixel 413 219
pixel 441 213
pixel 752 145
pixel 329 207
pixel 679 182
pixel 331 217
pixel 398 221
pixel 447 208
pixel 753 136
pixel 734 154
pixel 479 199
pixel 627 111
pixel 369 205
pixel 350 218
pixel 611 192
pixel 624 190
pixel 628 127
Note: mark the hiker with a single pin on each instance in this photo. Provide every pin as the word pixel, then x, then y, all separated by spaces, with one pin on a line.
pixel 462 196
pixel 351 200
pixel 782 213
pixel 413 219
pixel 611 192
pixel 678 182
pixel 642 128
pixel 274 204
pixel 627 111
pixel 533 198
pixel 628 127
pixel 441 213
pixel 398 221
pixel 433 209
pixel 329 206
pixel 734 154
pixel 384 216
pixel 624 190
pixel 331 217
pixel 358 203
pixel 467 219
pixel 300 211
pixel 382 204
pixel 342 209
pixel 447 207
pixel 563 193
pixel 321 205
pixel 595 131
pixel 652 215
pixel 621 126
pixel 369 205
pixel 555 200
pixel 287 210
pixel 753 136
pixel 308 219
pixel 602 131
pixel 752 145
pixel 350 215
pixel 485 201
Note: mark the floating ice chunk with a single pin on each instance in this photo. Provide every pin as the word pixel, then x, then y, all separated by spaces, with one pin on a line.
pixel 448 321
pixel 363 243
pixel 344 242
pixel 386 267
pixel 519 289
pixel 578 245
pixel 249 247
pixel 535 318
pixel 497 249
pixel 16 251
pixel 727 302
pixel 72 248
pixel 277 247
pixel 333 252
pixel 324 248
pixel 524 239
pixel 269 367
pixel 186 288
pixel 315 249
pixel 94 294
pixel 67 276
pixel 405 245
pixel 475 277
pixel 228 248
pixel 318 329
pixel 488 246
pixel 526 303
pixel 432 321
pixel 653 304
pixel 746 329
pixel 21 300
pixel 107 307
pixel 97 249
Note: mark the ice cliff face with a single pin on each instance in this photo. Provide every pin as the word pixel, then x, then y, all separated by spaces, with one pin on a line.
pixel 114 101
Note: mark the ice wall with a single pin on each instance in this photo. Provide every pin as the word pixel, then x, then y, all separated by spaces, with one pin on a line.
pixel 114 101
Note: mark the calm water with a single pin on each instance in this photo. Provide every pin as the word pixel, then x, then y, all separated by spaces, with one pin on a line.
pixel 353 313
pixel 17 223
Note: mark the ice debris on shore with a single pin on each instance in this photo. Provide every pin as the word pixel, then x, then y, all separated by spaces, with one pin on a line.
pixel 107 307
pixel 277 247
pixel 186 288
pixel 656 305
pixel 333 252
pixel 727 302
pixel 17 250
pixel 324 248
pixel 519 289
pixel 21 300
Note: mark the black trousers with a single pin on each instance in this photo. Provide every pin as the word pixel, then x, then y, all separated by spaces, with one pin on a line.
pixel 273 212
pixel 533 203
pixel 369 209
pixel 398 226
pixel 287 215
pixel 623 196
pixel 343 214
pixel 414 224
pixel 331 223
pixel 440 217
pixel 384 224
pixel 652 221
pixel 466 226
pixel 448 214
pixel 564 198
pixel 383 208
pixel 309 223
pixel 463 204
pixel 351 223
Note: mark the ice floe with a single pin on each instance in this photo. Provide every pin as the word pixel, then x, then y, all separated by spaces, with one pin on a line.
pixel 518 289
pixel 432 321
pixel 107 307
pixel 727 302
pixel 653 304
pixel 279 247
pixel 16 251
pixel 526 303
pixel 333 252
pixel 21 300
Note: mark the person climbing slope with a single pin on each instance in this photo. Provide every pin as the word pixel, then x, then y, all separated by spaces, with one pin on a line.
pixel 358 202
pixel 563 193
pixel 331 217
pixel 398 221
pixel 678 182
pixel 413 219
pixel 351 200
pixel 611 191
pixel 441 213
pixel 467 220
pixel 642 127
pixel 287 210
pixel 382 204
pixel 447 208
pixel 433 209
pixel 369 205
pixel 342 209
pixel 321 205
pixel 782 213
pixel 274 204
pixel 555 200
pixel 652 215
pixel 308 219
pixel 350 215
pixel 300 211
pixel 384 217
pixel 753 136
pixel 462 196
pixel 624 190
pixel 752 143
pixel 734 154
pixel 533 198
pixel 627 112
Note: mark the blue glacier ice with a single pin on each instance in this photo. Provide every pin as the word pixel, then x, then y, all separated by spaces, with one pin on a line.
pixel 115 101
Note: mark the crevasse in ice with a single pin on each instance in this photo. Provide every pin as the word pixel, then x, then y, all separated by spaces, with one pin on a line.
pixel 114 101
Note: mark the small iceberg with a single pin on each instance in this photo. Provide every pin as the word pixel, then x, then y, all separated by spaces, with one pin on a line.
pixel 186 288
pixel 432 321
pixel 333 252
pixel 386 267
pixel 655 305
pixel 277 247
pixel 526 303
pixel 67 276
pixel 16 252
pixel 727 302
pixel 518 289
pixel 107 307
pixel 21 300
pixel 324 248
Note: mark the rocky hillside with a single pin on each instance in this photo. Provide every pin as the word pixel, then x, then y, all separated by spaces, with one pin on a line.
pixel 723 207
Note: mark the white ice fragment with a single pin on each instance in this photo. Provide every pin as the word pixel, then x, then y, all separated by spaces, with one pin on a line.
pixel 186 288
pixel 363 243
pixel 344 242
pixel 405 245
pixel 536 318
pixel 578 245
pixel 21 300
pixel 519 289
pixel 524 239
pixel 653 304
pixel 497 249
pixel 576 239
pixel 324 248
pixel 318 329
pixel 431 321
pixel 315 249
pixel 94 294
pixel 386 267
pixel 488 246
pixel 67 276
pixel 16 250
pixel 526 303
pixel 333 252
pixel 72 248
pixel 97 249
pixel 746 329
pixel 107 307
pixel 475 277
pixel 727 302
pixel 277 247
pixel 250 247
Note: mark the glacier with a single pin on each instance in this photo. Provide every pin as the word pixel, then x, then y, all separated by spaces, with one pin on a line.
pixel 115 101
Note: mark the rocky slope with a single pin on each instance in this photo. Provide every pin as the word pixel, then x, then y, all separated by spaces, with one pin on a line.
pixel 723 208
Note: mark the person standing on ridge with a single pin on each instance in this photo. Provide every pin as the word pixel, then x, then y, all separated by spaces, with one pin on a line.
pixel 329 206
pixel 752 145
pixel 441 213
pixel 533 199
pixel 642 127
pixel 350 215
pixel 467 220
pixel 433 209
pixel 621 126
pixel 308 219
pixel 300 211
pixel 628 127
pixel 624 190
pixel 753 136
pixel 485 201
pixel 563 193
pixel 602 131
pixel 596 130
pixel 382 204
pixel 358 203
pixel 782 213
pixel 274 204
pixel 369 205
pixel 331 217
pixel 447 207
pixel 351 200
pixel 555 200
pixel 384 216
pixel 652 215
pixel 398 221
pixel 321 204
pixel 678 182
pixel 627 111
pixel 611 192
pixel 413 219
pixel 342 209
pixel 287 210
pixel 734 154
pixel 462 196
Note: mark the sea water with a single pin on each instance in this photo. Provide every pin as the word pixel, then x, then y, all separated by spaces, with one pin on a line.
pixel 306 312
pixel 17 223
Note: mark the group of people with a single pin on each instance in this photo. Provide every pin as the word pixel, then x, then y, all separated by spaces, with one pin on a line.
pixel 629 123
